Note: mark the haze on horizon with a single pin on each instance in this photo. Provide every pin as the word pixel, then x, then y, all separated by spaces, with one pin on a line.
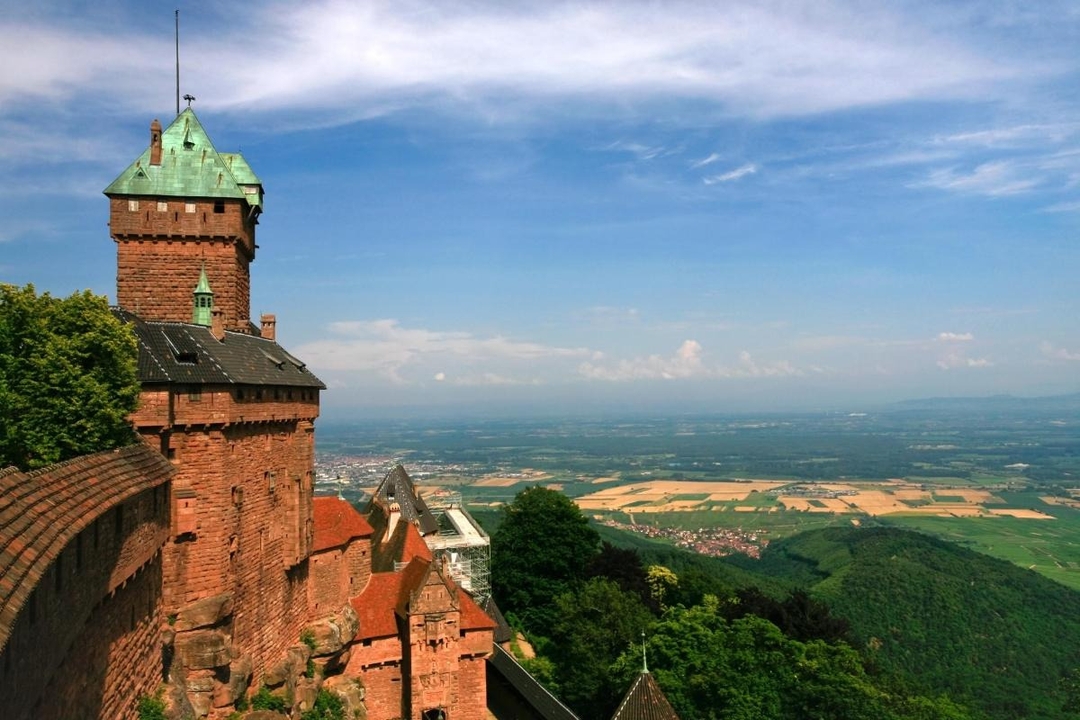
pixel 585 206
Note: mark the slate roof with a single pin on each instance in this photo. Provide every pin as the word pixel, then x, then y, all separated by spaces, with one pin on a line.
pixel 172 352
pixel 42 511
pixel 645 701
pixel 503 631
pixel 190 168
pixel 535 695
pixel 336 523
pixel 397 488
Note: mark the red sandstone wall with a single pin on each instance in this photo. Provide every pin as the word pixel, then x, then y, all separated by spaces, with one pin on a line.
pixel 383 693
pixel 160 253
pixel 161 407
pixel 328 589
pixel 250 486
pixel 73 612
pixel 472 689
pixel 358 558
pixel 116 659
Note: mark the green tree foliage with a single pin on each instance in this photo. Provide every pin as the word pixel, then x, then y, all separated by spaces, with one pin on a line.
pixel 623 567
pixel 328 706
pixel 540 551
pixel 944 618
pixel 594 626
pixel 746 669
pixel 67 377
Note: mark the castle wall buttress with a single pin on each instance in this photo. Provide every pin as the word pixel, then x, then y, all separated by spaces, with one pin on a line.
pixel 249 486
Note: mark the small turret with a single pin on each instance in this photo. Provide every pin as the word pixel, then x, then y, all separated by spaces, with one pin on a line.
pixel 204 301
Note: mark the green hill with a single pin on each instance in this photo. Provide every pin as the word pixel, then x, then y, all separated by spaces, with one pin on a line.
pixel 990 634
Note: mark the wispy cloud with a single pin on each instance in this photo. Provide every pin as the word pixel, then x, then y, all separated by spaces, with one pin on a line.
pixel 686 363
pixel 708 160
pixel 386 348
pixel 995 179
pixel 1058 353
pixel 955 337
pixel 739 172
pixel 378 57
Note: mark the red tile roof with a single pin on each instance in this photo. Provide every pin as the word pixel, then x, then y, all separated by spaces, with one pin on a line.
pixel 385 595
pixel 336 523
pixel 42 511
pixel 472 617
pixel 414 547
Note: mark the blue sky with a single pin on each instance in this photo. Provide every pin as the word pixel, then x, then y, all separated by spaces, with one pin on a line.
pixel 595 207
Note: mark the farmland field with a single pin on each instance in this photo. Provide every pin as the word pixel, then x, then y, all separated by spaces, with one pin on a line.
pixel 1001 475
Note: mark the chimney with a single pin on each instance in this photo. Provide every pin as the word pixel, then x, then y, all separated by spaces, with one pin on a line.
pixel 155 142
pixel 269 326
pixel 217 324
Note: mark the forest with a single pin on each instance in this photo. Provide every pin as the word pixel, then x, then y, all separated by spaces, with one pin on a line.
pixel 831 623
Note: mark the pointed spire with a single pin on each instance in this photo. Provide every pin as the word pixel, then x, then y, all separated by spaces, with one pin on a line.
pixel 204 301
pixel 644 660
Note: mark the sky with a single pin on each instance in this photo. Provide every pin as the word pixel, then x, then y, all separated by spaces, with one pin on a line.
pixel 594 207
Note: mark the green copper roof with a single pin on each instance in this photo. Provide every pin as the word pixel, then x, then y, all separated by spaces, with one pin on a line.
pixel 190 167
pixel 203 314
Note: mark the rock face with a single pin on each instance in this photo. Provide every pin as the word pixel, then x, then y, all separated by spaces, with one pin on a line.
pixel 204 613
pixel 203 649
pixel 351 693
pixel 329 635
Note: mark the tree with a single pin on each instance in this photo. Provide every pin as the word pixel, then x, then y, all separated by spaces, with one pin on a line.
pixel 594 626
pixel 540 551
pixel 68 377
pixel 623 567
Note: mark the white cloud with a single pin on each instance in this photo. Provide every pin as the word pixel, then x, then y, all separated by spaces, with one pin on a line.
pixel 1058 353
pixel 739 172
pixel 713 157
pixel 385 348
pixel 954 360
pixel 995 179
pixel 685 363
pixel 367 59
pixel 955 337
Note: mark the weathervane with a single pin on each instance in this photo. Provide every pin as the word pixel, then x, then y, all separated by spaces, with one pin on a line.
pixel 189 98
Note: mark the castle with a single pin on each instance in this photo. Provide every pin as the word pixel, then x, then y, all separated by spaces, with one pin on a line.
pixel 200 560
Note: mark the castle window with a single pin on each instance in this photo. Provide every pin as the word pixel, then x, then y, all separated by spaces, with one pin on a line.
pixel 219 207
pixel 189 208
pixel 195 394
pixel 239 393
pixel 162 206
pixel 277 394
pixel 133 205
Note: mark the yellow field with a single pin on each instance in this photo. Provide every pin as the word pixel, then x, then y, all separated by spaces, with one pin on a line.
pixel 663 495
pixel 871 498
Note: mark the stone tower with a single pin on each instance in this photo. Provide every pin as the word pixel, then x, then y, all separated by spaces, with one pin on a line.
pixel 180 207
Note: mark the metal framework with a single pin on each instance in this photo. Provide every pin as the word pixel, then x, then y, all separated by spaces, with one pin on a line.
pixel 468 546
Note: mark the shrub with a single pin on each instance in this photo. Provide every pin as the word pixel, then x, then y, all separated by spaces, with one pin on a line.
pixel 263 700
pixel 328 706
pixel 151 707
